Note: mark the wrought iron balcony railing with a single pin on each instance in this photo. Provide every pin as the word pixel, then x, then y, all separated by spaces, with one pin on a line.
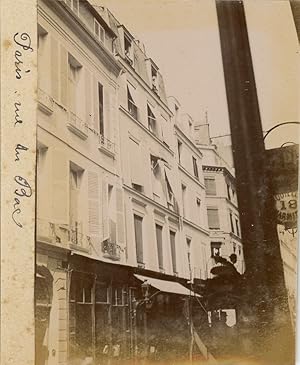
pixel 111 250
pixel 106 145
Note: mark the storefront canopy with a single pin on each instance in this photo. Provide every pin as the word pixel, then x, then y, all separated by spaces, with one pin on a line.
pixel 166 286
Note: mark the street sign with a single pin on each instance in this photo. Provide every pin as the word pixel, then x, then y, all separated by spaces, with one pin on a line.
pixel 282 167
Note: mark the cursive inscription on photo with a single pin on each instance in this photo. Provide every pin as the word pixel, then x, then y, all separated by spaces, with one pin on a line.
pixel 22 189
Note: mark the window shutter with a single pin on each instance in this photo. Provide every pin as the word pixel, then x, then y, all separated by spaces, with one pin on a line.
pixel 120 216
pixel 60 194
pixel 96 105
pixel 105 211
pixel 138 230
pixel 64 65
pixel 54 69
pixel 94 206
pixel 210 186
pixel 136 166
pixel 213 218
pixel 88 98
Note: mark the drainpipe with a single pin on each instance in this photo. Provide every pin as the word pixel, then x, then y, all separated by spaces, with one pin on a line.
pixel 266 323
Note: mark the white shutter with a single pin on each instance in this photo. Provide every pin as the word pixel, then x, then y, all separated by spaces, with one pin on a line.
pixel 64 65
pixel 60 195
pixel 136 166
pixel 120 216
pixel 94 206
pixel 88 98
pixel 105 211
pixel 54 64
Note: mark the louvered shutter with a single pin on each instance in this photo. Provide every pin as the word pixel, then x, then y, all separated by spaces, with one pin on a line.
pixel 213 218
pixel 120 216
pixel 105 211
pixel 94 206
pixel 64 76
pixel 159 243
pixel 88 98
pixel 173 250
pixel 60 196
pixel 54 64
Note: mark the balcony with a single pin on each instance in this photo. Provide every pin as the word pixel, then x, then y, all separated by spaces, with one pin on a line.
pixel 77 126
pixel 111 250
pixel 77 239
pixel 132 109
pixel 106 146
pixel 45 102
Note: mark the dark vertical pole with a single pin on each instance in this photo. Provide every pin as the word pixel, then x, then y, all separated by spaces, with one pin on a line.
pixel 264 280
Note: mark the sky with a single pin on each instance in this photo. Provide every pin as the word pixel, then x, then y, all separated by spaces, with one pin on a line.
pixel 182 37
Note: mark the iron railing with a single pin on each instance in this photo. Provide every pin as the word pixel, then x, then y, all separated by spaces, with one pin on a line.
pixel 111 250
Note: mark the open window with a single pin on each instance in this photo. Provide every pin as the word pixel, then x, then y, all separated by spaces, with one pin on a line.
pixel 74 78
pixel 195 168
pixel 131 105
pixel 128 50
pixel 152 122
pixel 215 248
pixel 154 79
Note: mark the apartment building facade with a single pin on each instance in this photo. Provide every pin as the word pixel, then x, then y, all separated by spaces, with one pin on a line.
pixel 121 223
pixel 222 207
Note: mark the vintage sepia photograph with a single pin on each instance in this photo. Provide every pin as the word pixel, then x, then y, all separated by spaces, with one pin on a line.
pixel 166 182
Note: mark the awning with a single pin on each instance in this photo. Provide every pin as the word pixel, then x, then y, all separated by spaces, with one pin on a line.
pixel 166 286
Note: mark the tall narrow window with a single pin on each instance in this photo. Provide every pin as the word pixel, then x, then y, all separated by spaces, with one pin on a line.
pixel 183 192
pixel 154 79
pixel 101 109
pixel 74 189
pixel 128 50
pixel 159 230
pixel 228 191
pixel 151 121
pixel 179 150
pixel 215 248
pixel 213 218
pixel 195 167
pixel 74 87
pixel 237 227
pixel 138 230
pixel 210 186
pixel 173 250
pixel 188 245
pixel 231 222
pixel 132 108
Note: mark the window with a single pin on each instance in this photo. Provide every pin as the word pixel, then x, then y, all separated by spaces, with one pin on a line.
pixel 210 186
pixel 74 201
pixel 138 230
pixel 179 150
pixel 183 191
pixel 188 245
pixel 215 248
pixel 213 218
pixel 228 191
pixel 74 75
pixel 101 109
pixel 237 226
pixel 152 126
pixel 74 5
pixel 99 31
pixel 195 166
pixel 132 108
pixel 159 230
pixel 154 79
pixel 128 50
pixel 173 250
pixel 101 293
pixel 231 222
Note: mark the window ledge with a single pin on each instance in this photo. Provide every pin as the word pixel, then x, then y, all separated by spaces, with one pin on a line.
pixel 76 126
pixel 45 102
pixel 106 146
